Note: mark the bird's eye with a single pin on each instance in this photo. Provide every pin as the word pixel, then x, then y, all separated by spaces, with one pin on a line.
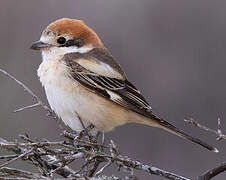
pixel 61 40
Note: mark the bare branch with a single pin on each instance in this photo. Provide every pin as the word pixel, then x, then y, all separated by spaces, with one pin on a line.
pixel 36 144
pixel 16 158
pixel 54 157
pixel 37 99
pixel 213 172
pixel 103 168
pixel 27 107
pixel 18 174
pixel 39 102
pixel 218 132
pixel 37 160
pixel 8 157
pixel 128 163
pixel 58 163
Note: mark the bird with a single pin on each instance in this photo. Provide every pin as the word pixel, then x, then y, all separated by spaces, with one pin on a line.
pixel 85 85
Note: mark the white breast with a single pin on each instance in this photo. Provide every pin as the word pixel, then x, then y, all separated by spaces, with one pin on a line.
pixel 70 100
pixel 60 94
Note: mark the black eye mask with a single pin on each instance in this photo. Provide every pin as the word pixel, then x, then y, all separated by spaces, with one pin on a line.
pixel 73 42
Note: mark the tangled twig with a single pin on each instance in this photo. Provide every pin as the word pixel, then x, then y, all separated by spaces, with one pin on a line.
pixel 55 157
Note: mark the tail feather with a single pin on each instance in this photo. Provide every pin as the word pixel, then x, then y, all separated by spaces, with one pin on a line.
pixel 171 128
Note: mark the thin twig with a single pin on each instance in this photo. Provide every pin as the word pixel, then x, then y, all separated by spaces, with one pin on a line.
pixel 128 163
pixel 8 156
pixel 53 157
pixel 27 90
pixel 103 168
pixel 27 107
pixel 39 102
pixel 93 169
pixel 16 158
pixel 13 173
pixel 64 172
pixel 73 137
pixel 38 144
pixel 218 132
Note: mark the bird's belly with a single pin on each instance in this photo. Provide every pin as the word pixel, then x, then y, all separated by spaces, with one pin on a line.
pixel 70 100
pixel 73 101
pixel 64 104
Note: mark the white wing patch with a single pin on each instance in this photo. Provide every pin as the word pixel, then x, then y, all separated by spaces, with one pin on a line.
pixel 99 68
pixel 113 95
pixel 116 98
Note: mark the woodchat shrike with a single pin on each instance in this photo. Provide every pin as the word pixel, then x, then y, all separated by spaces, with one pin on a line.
pixel 84 84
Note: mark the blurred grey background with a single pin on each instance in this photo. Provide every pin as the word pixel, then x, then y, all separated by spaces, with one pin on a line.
pixel 173 51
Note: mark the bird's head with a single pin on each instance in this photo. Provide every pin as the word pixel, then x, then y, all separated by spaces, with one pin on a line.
pixel 66 36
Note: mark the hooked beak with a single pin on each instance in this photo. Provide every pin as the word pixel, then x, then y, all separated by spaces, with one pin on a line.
pixel 38 45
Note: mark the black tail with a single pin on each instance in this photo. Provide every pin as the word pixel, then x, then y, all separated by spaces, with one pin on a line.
pixel 171 128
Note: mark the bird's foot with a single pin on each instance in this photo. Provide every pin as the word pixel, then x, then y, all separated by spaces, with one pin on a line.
pixel 85 133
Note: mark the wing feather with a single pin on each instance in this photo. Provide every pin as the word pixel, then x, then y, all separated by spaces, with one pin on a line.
pixel 93 73
pixel 120 91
